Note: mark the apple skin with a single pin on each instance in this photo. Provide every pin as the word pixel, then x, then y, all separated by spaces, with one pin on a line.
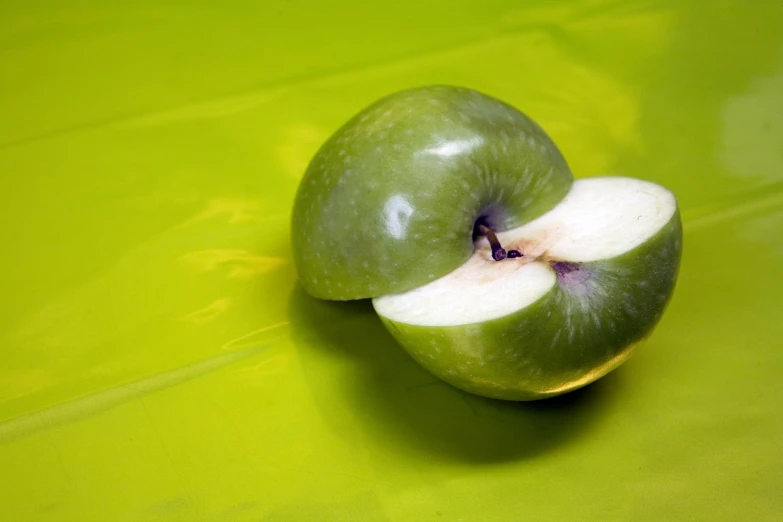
pixel 572 336
pixel 389 202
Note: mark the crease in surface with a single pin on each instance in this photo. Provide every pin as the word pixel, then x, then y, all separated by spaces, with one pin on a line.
pixel 87 406
pixel 736 207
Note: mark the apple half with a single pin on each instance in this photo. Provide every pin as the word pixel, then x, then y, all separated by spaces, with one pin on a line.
pixel 595 276
pixel 489 264
pixel 389 202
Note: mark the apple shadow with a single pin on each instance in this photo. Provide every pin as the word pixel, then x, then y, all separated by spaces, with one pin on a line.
pixel 348 356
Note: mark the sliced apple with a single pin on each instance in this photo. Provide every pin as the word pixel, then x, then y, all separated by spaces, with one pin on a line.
pixel 595 275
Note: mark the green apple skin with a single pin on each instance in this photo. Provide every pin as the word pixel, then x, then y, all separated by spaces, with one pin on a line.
pixel 570 337
pixel 389 201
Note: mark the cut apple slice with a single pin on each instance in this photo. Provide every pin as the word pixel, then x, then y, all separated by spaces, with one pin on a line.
pixel 596 274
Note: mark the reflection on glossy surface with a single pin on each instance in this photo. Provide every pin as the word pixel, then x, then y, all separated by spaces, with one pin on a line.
pixel 752 129
pixel 147 181
pixel 455 147
pixel 397 211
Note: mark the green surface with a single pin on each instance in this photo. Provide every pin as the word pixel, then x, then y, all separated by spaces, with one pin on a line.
pixel 159 362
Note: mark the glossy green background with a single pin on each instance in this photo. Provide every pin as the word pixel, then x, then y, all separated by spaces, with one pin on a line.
pixel 159 363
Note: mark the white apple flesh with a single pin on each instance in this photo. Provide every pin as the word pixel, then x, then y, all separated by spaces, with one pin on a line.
pixel 595 276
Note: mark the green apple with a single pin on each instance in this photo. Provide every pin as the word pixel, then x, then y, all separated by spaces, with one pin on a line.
pixel 595 277
pixel 389 202
pixel 486 261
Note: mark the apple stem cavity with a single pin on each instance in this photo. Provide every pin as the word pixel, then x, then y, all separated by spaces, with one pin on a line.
pixel 498 252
